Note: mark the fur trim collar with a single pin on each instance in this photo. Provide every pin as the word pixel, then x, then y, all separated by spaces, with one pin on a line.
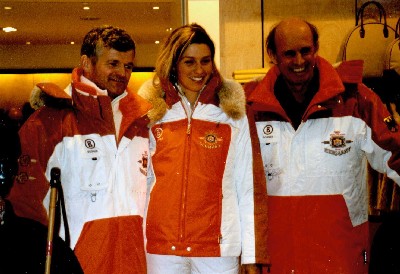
pixel 231 97
pixel 49 94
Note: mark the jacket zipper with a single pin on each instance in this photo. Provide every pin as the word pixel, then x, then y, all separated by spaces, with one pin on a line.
pixel 185 183
pixel 189 114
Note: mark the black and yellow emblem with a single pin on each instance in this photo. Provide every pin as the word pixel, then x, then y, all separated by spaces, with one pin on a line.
pixel 211 140
pixel 337 143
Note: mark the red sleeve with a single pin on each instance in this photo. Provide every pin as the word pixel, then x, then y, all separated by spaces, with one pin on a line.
pixel 385 132
pixel 260 195
pixel 31 184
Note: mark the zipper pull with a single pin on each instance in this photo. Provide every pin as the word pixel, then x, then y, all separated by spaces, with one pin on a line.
pixel 93 197
pixel 365 256
pixel 189 129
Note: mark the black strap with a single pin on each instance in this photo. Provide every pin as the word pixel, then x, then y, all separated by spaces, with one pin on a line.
pixel 382 13
pixel 60 206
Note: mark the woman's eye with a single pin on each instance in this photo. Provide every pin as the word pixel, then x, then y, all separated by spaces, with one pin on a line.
pixel 205 61
pixel 189 62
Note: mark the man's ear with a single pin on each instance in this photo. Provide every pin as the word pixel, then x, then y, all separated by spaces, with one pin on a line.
pixel 86 64
pixel 272 57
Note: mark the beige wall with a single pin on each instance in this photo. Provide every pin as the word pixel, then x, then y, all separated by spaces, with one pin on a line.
pixel 15 89
pixel 61 56
pixel 334 19
pixel 240 39
pixel 206 14
pixel 241 35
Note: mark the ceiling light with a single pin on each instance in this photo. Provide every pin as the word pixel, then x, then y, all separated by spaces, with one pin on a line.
pixel 28 43
pixel 157 42
pixel 9 29
pixel 156 8
pixel 86 8
pixel 7 8
pixel 72 43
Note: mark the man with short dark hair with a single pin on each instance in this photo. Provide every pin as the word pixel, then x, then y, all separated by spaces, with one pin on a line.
pixel 318 126
pixel 95 132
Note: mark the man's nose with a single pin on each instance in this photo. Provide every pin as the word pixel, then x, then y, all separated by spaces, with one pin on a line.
pixel 299 59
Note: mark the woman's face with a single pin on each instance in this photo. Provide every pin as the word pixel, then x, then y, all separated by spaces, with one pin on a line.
pixel 195 67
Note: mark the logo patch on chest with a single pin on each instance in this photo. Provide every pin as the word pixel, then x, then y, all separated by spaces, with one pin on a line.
pixel 338 144
pixel 89 143
pixel 144 161
pixel 91 147
pixel 158 133
pixel 211 140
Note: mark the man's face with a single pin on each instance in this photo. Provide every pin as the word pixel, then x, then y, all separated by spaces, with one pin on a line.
pixel 112 70
pixel 295 54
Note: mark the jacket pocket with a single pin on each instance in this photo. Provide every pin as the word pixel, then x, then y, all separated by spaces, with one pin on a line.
pixel 95 165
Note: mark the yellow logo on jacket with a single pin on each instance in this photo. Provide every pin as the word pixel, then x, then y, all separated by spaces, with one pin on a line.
pixel 158 132
pixel 338 143
pixel 211 140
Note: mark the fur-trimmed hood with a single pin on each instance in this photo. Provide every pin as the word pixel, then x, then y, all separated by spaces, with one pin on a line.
pixel 230 98
pixel 49 94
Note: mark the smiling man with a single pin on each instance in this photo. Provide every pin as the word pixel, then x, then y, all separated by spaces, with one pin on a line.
pixel 95 132
pixel 318 126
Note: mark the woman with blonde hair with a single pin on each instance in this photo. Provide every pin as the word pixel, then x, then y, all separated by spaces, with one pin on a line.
pixel 207 201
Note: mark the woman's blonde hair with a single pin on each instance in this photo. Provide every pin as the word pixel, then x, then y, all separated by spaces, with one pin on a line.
pixel 175 45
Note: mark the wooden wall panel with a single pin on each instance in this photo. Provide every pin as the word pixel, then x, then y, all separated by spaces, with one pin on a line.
pixel 240 35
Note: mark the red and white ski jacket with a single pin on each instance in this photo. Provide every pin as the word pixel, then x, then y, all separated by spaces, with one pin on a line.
pixel 316 175
pixel 205 198
pixel 103 176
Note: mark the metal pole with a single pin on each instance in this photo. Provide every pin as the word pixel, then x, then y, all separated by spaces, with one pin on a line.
pixel 54 181
pixel 184 11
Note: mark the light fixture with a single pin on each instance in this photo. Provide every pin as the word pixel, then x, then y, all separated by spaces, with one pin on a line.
pixel 9 29
pixel 156 8
pixel 157 42
pixel 72 43
pixel 7 8
pixel 86 8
